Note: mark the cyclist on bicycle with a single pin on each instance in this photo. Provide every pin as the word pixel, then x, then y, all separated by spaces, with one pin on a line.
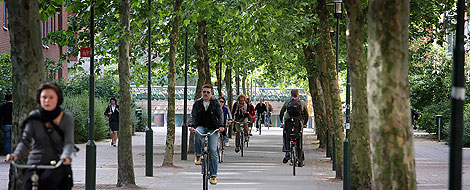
pixel 268 114
pixel 51 133
pixel 240 112
pixel 227 118
pixel 261 110
pixel 207 116
pixel 293 108
pixel 252 117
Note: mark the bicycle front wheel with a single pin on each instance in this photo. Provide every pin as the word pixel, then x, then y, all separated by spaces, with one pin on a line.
pixel 242 139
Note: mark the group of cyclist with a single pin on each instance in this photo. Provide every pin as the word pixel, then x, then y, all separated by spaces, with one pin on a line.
pixel 209 114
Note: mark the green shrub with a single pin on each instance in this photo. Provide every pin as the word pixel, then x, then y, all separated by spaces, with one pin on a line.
pixel 427 121
pixel 139 123
pixel 77 105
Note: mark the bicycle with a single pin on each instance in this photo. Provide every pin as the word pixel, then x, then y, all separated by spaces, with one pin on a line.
pixel 243 139
pixel 294 154
pixel 221 148
pixel 261 122
pixel 268 120
pixel 35 176
pixel 205 160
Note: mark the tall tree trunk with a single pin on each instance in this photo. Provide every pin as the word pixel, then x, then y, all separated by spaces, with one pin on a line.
pixel 359 132
pixel 170 133
pixel 27 66
pixel 125 160
pixel 218 70
pixel 317 94
pixel 244 84
pixel 393 165
pixel 334 92
pixel 237 81
pixel 324 84
pixel 202 38
pixel 228 83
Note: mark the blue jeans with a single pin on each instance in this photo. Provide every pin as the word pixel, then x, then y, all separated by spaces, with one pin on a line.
pixel 7 138
pixel 199 141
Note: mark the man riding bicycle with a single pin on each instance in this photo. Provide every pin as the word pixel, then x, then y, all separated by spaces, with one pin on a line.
pixel 296 114
pixel 240 113
pixel 260 113
pixel 206 117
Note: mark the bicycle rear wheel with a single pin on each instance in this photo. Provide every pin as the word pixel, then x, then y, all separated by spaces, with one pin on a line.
pixel 293 155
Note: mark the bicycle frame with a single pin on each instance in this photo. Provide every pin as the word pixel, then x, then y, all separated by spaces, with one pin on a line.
pixel 205 159
pixel 35 176
pixel 242 135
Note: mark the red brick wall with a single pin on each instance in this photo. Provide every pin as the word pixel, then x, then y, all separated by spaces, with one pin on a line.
pixel 53 51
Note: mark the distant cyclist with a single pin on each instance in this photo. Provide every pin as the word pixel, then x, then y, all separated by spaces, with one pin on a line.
pixel 252 117
pixel 261 110
pixel 206 117
pixel 240 113
pixel 227 118
pixel 293 108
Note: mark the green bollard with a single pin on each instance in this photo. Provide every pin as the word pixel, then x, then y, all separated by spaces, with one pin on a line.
pixel 346 169
pixel 90 171
pixel 148 152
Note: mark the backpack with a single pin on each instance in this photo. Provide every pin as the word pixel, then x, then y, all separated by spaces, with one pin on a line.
pixel 294 107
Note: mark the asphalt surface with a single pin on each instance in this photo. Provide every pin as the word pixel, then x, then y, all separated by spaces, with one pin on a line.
pixel 260 168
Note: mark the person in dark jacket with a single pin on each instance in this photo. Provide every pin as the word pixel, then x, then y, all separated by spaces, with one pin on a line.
pixel 207 116
pixel 112 111
pixel 240 112
pixel 6 112
pixel 51 133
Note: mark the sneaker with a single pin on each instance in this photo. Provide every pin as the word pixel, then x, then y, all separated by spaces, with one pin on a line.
pixel 227 144
pixel 197 161
pixel 237 149
pixel 114 145
pixel 286 158
pixel 301 164
pixel 213 180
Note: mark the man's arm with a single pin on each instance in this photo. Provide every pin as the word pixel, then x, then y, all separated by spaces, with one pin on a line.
pixel 193 115
pixel 283 109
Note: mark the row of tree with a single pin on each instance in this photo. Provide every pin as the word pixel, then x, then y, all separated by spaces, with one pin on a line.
pixel 284 43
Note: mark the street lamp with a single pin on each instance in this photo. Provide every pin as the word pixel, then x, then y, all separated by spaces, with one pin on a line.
pixel 148 130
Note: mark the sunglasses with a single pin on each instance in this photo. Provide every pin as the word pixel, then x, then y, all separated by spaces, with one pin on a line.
pixel 222 101
pixel 207 92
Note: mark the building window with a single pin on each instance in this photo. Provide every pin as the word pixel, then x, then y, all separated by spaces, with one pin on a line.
pixel 5 24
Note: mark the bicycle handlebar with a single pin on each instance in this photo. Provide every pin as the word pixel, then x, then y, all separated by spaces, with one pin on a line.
pixel 33 166
pixel 207 134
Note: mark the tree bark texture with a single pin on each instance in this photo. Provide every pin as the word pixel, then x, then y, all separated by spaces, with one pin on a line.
pixel 324 84
pixel 237 80
pixel 316 93
pixel 359 133
pixel 228 84
pixel 170 134
pixel 125 161
pixel 334 90
pixel 391 138
pixel 27 66
pixel 244 85
pixel 202 42
pixel 218 71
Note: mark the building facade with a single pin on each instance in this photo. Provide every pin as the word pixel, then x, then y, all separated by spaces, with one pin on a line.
pixel 52 51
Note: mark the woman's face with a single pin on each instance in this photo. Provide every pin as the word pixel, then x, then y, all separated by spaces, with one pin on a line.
pixel 222 102
pixel 48 99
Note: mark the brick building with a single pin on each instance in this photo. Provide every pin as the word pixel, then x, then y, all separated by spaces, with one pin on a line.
pixel 52 51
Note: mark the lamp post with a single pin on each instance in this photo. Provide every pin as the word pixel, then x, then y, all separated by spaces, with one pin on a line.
pixel 148 130
pixel 457 103
pixel 90 173
pixel 346 166
pixel 184 140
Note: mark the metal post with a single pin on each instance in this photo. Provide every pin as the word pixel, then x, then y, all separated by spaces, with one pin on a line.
pixel 328 154
pixel 458 98
pixel 90 173
pixel 438 124
pixel 184 136
pixel 347 171
pixel 148 130
pixel 333 155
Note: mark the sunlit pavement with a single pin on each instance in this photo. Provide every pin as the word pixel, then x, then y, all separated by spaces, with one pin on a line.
pixel 260 168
